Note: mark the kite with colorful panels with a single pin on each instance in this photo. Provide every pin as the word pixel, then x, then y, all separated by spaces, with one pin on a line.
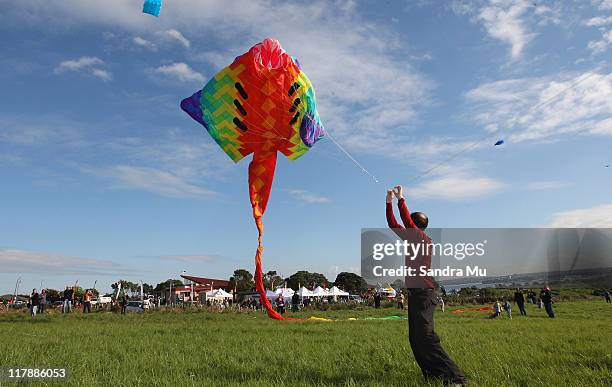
pixel 261 103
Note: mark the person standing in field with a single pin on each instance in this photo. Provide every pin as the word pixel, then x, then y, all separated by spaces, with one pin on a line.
pixel 400 301
pixel 531 296
pixel 377 298
pixel 43 301
pixel 280 304
pixel 34 302
pixel 441 303
pixel 607 296
pixel 123 303
pixel 508 309
pixel 546 299
pixel 425 343
pixel 496 310
pixel 519 299
pixel 295 302
pixel 67 300
pixel 87 301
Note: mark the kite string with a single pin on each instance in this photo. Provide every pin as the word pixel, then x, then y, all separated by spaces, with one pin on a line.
pixel 357 163
pixel 512 122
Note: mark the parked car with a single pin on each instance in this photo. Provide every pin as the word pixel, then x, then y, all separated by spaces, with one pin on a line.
pixel 134 306
pixel 355 298
pixel 105 300
pixel 17 304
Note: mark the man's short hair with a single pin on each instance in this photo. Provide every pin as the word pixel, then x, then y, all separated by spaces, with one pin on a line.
pixel 420 220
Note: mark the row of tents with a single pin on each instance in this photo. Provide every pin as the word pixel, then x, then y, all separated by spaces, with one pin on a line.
pixel 220 294
pixel 306 293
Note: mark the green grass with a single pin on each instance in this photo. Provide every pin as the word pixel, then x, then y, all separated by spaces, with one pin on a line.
pixel 201 348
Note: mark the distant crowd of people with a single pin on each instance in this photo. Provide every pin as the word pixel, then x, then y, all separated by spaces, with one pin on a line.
pixel 37 302
pixel 545 300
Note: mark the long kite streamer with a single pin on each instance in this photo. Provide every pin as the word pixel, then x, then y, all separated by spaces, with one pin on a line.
pixel 261 103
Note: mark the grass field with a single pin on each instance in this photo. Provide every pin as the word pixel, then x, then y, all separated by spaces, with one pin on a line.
pixel 200 348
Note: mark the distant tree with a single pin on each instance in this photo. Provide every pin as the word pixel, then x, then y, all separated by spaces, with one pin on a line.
pixel 126 286
pixel 272 280
pixel 53 295
pixel 242 280
pixel 398 285
pixel 307 279
pixel 148 289
pixel 351 282
pixel 166 284
pixel 78 293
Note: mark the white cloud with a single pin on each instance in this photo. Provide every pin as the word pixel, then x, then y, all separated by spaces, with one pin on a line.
pixel 599 216
pixel 456 185
pixel 25 131
pixel 601 46
pixel 89 64
pixel 152 180
pixel 598 21
pixel 503 21
pixel 603 5
pixel 603 127
pixel 308 197
pixel 144 43
pixel 102 74
pixel 509 104
pixel 180 71
pixel 24 261
pixel 174 35
pixel 545 185
pixel 168 162
pixel 189 258
pixel 513 22
pixel 77 64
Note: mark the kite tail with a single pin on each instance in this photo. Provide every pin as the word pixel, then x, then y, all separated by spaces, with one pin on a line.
pixel 261 174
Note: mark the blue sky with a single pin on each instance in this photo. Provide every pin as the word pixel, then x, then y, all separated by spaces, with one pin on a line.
pixel 103 177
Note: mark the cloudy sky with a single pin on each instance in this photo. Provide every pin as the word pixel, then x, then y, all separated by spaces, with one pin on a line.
pixel 103 177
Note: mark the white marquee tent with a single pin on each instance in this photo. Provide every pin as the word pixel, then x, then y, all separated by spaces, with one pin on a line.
pixel 335 291
pixel 286 292
pixel 303 292
pixel 320 292
pixel 218 294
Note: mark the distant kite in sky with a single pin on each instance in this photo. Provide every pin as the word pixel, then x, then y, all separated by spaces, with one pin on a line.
pixel 261 103
pixel 499 142
pixel 152 7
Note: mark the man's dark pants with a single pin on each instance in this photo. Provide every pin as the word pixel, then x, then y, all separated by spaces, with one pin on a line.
pixel 425 343
pixel 521 306
pixel 87 307
pixel 549 309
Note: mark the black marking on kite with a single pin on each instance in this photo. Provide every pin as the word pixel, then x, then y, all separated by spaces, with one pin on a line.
pixel 243 93
pixel 241 125
pixel 295 118
pixel 295 105
pixel 293 88
pixel 240 107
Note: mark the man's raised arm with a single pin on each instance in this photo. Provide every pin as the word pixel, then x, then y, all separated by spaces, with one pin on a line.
pixel 391 221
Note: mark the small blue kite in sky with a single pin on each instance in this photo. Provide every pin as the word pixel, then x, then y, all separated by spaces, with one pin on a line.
pixel 499 142
pixel 152 7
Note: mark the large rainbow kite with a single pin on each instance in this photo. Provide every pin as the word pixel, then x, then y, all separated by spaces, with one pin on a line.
pixel 261 103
